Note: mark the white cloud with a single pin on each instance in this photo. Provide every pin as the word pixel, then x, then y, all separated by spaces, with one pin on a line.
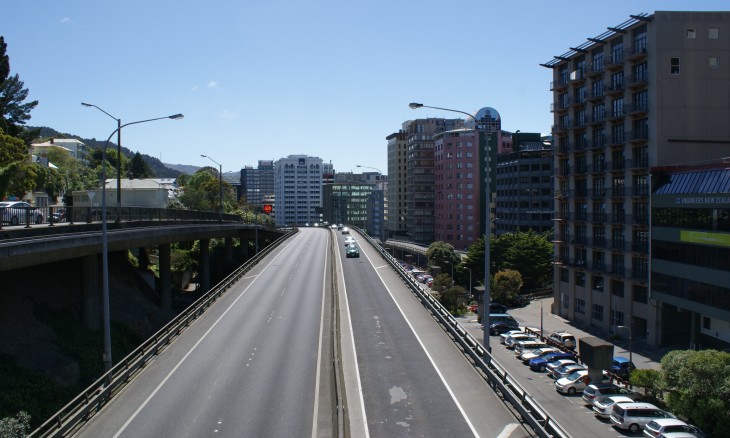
pixel 67 20
pixel 212 84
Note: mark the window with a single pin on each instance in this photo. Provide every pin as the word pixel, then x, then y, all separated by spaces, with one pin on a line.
pixel 674 66
pixel 706 323
pixel 597 313
pixel 714 33
pixel 580 278
pixel 580 306
pixel 691 34
pixel 714 62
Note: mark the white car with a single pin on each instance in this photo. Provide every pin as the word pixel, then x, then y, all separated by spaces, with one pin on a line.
pixel 538 352
pixel 602 408
pixel 349 240
pixel 564 371
pixel 576 382
pixel 514 339
pixel 503 337
pixel 559 363
pixel 670 426
pixel 16 212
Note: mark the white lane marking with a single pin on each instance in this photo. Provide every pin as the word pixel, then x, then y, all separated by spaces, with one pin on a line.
pixel 381 267
pixel 423 347
pixel 319 350
pixel 508 429
pixel 354 350
pixel 202 338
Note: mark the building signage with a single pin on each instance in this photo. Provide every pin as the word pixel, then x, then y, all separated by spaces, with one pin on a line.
pixel 717 239
pixel 689 200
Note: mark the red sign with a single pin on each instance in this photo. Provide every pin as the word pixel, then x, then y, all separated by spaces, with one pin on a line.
pixel 268 208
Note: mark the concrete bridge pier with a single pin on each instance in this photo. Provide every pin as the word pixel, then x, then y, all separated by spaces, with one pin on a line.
pixel 91 291
pixel 165 277
pixel 205 264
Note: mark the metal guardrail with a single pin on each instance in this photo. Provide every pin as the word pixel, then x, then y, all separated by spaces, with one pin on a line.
pixel 529 409
pixel 92 399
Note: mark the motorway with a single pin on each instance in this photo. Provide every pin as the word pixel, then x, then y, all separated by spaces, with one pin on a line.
pixel 257 363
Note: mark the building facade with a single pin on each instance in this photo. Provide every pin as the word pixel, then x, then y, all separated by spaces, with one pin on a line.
pixel 257 184
pixel 640 95
pixel 397 224
pixel 524 198
pixel 298 190
pixel 346 200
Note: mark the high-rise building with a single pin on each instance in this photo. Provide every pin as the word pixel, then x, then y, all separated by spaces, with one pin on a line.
pixel 298 190
pixel 346 200
pixel 645 93
pixel 420 193
pixel 397 225
pixel 257 184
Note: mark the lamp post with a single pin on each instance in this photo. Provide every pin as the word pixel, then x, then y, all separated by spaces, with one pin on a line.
pixel 631 358
pixel 119 159
pixel 487 223
pixel 107 357
pixel 452 270
pixel 220 182
pixel 469 279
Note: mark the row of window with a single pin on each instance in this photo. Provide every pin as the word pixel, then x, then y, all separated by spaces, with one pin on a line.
pixel 695 291
pixel 717 219
pixel 694 255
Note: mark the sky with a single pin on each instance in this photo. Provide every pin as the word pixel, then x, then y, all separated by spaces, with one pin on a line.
pixel 264 79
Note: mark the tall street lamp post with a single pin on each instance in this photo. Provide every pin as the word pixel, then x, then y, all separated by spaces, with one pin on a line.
pixel 631 358
pixel 104 244
pixel 220 182
pixel 469 280
pixel 487 223
pixel 119 158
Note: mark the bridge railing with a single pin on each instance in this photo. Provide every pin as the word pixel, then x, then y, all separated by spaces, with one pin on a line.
pixel 497 377
pixel 93 398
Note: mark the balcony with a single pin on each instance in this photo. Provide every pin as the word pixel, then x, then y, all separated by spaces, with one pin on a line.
pixel 616 270
pixel 599 217
pixel 596 119
pixel 581 216
pixel 640 135
pixel 614 89
pixel 638 81
pixel 638 53
pixel 617 166
pixel 580 239
pixel 559 85
pixel 615 61
pixel 563 147
pixel 616 114
pixel 581 192
pixel 598 167
pixel 596 69
pixel 599 242
pixel 599 192
pixel 642 247
pixel 619 245
pixel 640 220
pixel 577 77
pixel 599 142
pixel 596 95
pixel 618 218
pixel 640 190
pixel 562 194
pixel 564 170
pixel 598 266
pixel 640 275
pixel 637 109
pixel 559 108
pixel 616 141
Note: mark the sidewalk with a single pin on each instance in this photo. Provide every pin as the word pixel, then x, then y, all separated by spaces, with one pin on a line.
pixel 644 356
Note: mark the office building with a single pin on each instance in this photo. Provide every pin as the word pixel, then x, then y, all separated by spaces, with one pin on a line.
pixel 257 184
pixel 298 190
pixel 397 225
pixel 651 91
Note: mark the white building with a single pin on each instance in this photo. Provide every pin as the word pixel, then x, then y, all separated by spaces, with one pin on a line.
pixel 298 190
pixel 74 147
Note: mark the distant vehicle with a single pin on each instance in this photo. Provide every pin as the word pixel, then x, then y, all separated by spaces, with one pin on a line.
pixel 566 370
pixel 634 416
pixel 559 363
pixel 668 427
pixel 578 381
pixel 352 251
pixel 503 337
pixel 622 367
pixel 541 363
pixel 349 240
pixel 502 322
pixel 528 345
pixel 514 339
pixel 595 392
pixel 59 215
pixel 339 226
pixel 603 408
pixel 497 308
pixel 564 339
pixel 345 230
pixel 519 301
pixel 16 212
pixel 538 352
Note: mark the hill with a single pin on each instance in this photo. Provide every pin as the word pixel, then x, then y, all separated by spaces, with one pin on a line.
pixel 160 169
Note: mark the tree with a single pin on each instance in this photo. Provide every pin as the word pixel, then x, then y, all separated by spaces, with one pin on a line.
pixel 474 260
pixel 530 254
pixel 442 254
pixel 698 387
pixel 450 299
pixel 139 168
pixel 441 283
pixel 12 149
pixel 507 285
pixel 648 379
pixel 15 427
pixel 13 110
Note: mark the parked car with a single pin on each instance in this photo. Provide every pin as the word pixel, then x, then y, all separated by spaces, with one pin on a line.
pixel 559 363
pixel 514 339
pixel 16 212
pixel 602 408
pixel 564 339
pixel 523 346
pixel 634 416
pixel 622 367
pixel 519 301
pixel 352 251
pixel 539 352
pixel 541 363
pixel 566 370
pixel 503 337
pixel 59 215
pixel 671 427
pixel 497 308
pixel 575 382
pixel 597 391
pixel 502 322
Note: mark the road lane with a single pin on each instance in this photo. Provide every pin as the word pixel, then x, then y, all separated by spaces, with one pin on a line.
pixel 248 367
pixel 415 381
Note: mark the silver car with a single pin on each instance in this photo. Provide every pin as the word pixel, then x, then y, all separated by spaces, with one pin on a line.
pixel 16 212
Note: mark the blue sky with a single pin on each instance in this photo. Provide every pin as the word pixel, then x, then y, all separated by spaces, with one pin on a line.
pixel 263 79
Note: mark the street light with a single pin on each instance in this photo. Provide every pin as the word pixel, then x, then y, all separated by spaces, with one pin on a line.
pixel 487 223
pixel 452 269
pixel 469 280
pixel 631 358
pixel 220 182
pixel 119 159
pixel 104 244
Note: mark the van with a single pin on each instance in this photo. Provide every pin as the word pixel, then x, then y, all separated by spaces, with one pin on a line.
pixel 564 339
pixel 524 346
pixel 634 416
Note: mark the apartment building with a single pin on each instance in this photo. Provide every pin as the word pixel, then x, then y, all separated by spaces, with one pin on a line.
pixel 257 184
pixel 651 91
pixel 298 190
pixel 397 225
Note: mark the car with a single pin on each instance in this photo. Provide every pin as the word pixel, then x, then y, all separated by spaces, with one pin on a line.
pixel 59 215
pixel 501 322
pixel 528 345
pixel 635 415
pixel 566 370
pixel 519 301
pixel 352 251
pixel 514 339
pixel 497 308
pixel 538 352
pixel 564 339
pixel 349 240
pixel 575 382
pixel 345 230
pixel 16 212
pixel 559 363
pixel 339 226
pixel 671 427
pixel 603 408
pixel 622 367
pixel 540 363
pixel 503 337
pixel 598 391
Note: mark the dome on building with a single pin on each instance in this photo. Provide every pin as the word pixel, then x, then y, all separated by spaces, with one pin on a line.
pixel 487 116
